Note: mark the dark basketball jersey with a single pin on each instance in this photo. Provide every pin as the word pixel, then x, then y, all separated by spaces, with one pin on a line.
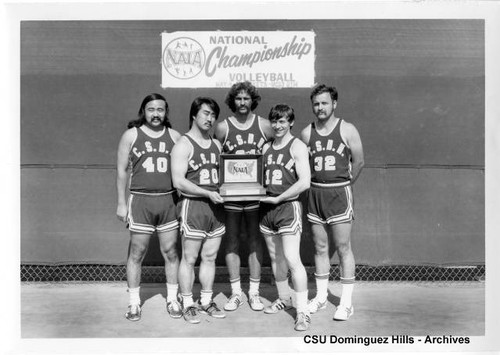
pixel 329 156
pixel 203 165
pixel 149 159
pixel 248 141
pixel 279 169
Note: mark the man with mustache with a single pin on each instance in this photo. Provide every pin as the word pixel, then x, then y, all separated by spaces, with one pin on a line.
pixel 145 148
pixel 336 160
pixel 195 169
pixel 243 133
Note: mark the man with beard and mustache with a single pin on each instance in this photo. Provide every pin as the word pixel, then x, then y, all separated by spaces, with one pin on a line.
pixel 144 163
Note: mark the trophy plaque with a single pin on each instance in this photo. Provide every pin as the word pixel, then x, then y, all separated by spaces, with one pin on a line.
pixel 241 177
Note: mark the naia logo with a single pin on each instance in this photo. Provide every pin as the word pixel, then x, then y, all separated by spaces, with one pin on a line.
pixel 183 58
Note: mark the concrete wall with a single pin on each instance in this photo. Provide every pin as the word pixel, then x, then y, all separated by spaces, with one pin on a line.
pixel 413 88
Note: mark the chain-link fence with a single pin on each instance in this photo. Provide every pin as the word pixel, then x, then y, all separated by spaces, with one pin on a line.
pixel 156 274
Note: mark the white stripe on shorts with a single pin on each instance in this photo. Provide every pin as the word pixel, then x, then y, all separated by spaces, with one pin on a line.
pixel 217 233
pixel 190 233
pixel 331 184
pixel 347 215
pixel 239 208
pixel 137 227
pixel 185 229
pixel 296 225
pixel 168 226
pixel 293 228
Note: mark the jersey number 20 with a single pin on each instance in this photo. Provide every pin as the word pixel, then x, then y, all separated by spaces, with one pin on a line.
pixel 205 176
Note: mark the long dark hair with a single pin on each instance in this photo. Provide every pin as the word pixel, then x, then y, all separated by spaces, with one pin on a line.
pixel 141 116
pixel 236 89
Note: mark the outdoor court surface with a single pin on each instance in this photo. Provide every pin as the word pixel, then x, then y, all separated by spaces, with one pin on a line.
pixel 96 310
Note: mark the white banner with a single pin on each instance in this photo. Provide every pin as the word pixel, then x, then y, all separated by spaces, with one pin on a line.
pixel 272 59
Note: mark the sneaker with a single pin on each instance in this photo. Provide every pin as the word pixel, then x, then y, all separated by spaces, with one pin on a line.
pixel 314 305
pixel 134 313
pixel 278 305
pixel 212 310
pixel 233 303
pixel 191 315
pixel 255 302
pixel 343 313
pixel 174 308
pixel 302 322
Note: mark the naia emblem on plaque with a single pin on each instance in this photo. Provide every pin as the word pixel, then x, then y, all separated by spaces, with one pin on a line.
pixel 241 177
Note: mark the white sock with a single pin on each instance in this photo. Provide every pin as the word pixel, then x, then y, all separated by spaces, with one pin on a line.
pixel 301 301
pixel 206 297
pixel 187 300
pixel 283 290
pixel 236 286
pixel 347 288
pixel 254 286
pixel 172 292
pixel 134 296
pixel 293 297
pixel 321 286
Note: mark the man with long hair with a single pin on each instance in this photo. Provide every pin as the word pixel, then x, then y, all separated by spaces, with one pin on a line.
pixel 243 133
pixel 143 166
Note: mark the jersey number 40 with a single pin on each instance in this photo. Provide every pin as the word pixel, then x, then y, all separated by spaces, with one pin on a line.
pixel 161 165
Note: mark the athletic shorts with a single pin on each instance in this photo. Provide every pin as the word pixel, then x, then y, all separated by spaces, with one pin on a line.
pixel 200 218
pixel 284 218
pixel 243 206
pixel 149 213
pixel 330 205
